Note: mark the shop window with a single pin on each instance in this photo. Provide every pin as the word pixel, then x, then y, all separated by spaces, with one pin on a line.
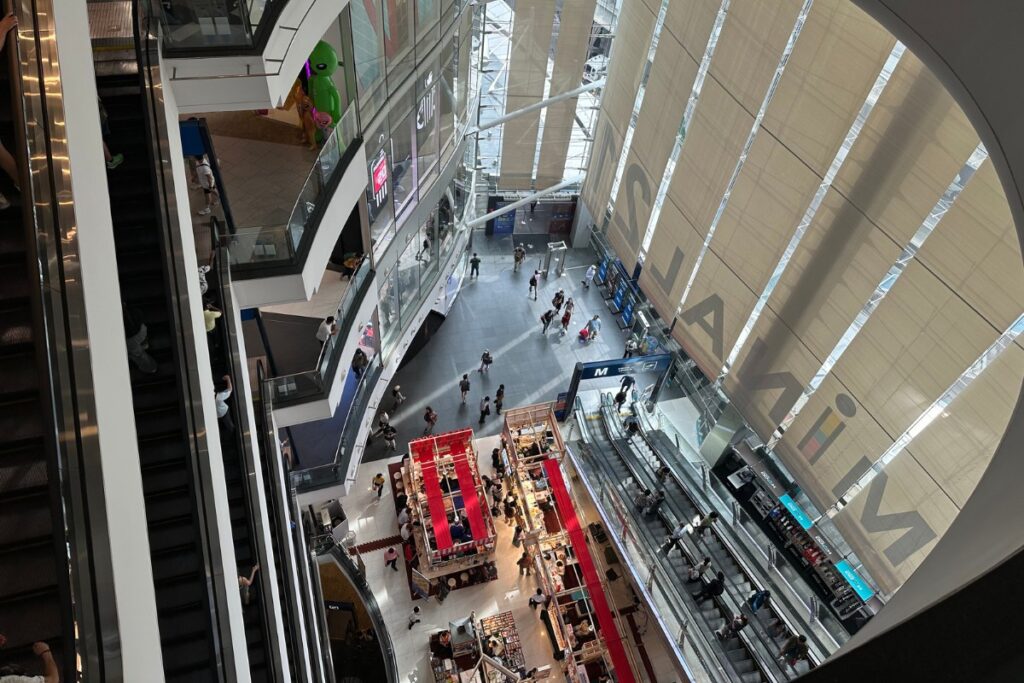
pixel 368 49
pixel 398 40
pixel 426 123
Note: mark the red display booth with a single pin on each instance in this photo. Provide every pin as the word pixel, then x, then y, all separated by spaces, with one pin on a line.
pixel 455 532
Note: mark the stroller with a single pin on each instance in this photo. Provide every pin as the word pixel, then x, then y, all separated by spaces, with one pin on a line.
pixel 584 335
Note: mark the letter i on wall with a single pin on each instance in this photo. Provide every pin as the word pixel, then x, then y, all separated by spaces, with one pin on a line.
pixel 826 429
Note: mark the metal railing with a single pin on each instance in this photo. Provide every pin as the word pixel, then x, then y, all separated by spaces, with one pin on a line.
pixel 194 29
pixel 254 249
pixel 315 383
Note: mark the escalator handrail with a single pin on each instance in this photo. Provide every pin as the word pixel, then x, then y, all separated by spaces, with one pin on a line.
pixel 230 343
pixel 277 507
pixel 763 656
pixel 146 36
pixel 349 568
pixel 724 664
pixel 90 624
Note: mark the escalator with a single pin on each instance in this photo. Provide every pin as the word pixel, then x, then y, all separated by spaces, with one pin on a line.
pixel 35 603
pixel 636 472
pixel 169 464
pixel 244 531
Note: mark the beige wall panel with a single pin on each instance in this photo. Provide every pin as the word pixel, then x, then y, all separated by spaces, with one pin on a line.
pixel 558 125
pixel 975 250
pixel 691 24
pixel 668 88
pixel 768 201
pixel 836 60
pixel 527 71
pixel 911 148
pixel 625 68
pixel 718 306
pixel 753 38
pixel 914 346
pixel 465 42
pixel 709 154
pixel 957 447
pixel 827 441
pixel 776 349
pixel 670 260
pixel 567 73
pixel 907 488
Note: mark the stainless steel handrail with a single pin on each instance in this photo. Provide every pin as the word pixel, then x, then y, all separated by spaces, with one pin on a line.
pixel 41 154
pixel 251 493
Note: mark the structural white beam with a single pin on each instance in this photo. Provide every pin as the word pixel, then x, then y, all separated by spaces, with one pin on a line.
pixel 539 105
pixel 522 202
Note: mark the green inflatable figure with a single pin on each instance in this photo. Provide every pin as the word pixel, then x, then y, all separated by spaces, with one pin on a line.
pixel 323 62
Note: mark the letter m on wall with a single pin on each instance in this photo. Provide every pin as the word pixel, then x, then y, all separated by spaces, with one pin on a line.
pixel 918 533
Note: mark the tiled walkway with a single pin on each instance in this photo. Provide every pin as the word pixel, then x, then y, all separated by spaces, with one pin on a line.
pixel 493 312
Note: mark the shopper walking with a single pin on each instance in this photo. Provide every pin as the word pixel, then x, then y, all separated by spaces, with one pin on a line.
pixel 620 400
pixel 485 408
pixel 137 340
pixel 643 499
pixel 424 253
pixel 430 417
pixel 518 256
pixel 589 277
pixel 631 348
pixel 662 474
pixel 397 397
pixel 545 319
pixel 390 434
pixel 464 387
pixel 558 300
pixel 414 617
pixel 655 504
pixel 732 627
pixel 538 598
pixel 204 174
pixel 566 319
pixel 793 650
pixel 517 534
pixel 223 393
pixel 391 558
pixel 326 330
pixel 510 509
pixel 758 600
pixel 696 572
pixel 525 563
pixel 704 523
pixel 113 160
pixel 474 266
pixel 714 588
pixel 593 328
pixel 534 279
pixel 377 485
pixel 676 535
pixel 499 399
pixel 485 361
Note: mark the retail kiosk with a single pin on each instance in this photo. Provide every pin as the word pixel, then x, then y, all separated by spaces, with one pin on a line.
pixel 581 624
pixel 452 526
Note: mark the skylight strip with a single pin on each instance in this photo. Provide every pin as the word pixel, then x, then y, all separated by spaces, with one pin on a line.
pixel 851 136
pixel 897 269
pixel 933 412
pixel 641 91
pixel 790 44
pixel 684 125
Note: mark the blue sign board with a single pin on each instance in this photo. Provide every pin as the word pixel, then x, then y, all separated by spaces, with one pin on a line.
pixel 602 270
pixel 859 585
pixel 626 366
pixel 505 223
pixel 619 294
pixel 627 311
pixel 798 514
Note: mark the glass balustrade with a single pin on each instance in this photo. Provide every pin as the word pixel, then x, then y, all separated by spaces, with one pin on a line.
pixel 231 27
pixel 315 382
pixel 255 248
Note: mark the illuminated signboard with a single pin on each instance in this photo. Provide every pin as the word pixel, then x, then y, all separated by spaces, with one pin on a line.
pixel 379 174
pixel 798 514
pixel 859 585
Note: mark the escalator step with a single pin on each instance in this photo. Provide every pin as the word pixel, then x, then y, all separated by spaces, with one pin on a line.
pixel 16 334
pixel 25 515
pixel 22 468
pixel 28 568
pixel 14 282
